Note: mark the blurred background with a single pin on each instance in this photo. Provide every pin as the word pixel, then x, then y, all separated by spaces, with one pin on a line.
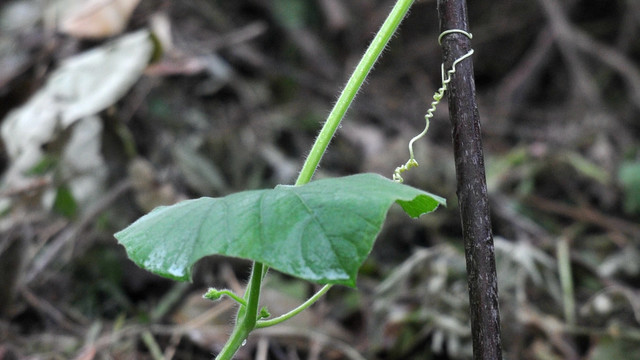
pixel 109 108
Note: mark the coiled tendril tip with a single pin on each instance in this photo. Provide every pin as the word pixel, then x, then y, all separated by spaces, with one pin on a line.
pixel 446 79
pixel 400 169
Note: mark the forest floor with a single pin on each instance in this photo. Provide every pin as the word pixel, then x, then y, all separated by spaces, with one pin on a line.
pixel 100 125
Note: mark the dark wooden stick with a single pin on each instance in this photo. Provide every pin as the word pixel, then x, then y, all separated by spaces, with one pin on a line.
pixel 472 187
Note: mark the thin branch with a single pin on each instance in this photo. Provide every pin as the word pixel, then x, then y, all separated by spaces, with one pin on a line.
pixel 472 187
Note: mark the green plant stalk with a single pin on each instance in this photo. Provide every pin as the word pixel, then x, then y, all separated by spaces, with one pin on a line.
pixel 247 316
pixel 376 47
pixel 566 279
pixel 152 345
pixel 336 115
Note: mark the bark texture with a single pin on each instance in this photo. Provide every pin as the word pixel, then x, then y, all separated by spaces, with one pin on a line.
pixel 471 184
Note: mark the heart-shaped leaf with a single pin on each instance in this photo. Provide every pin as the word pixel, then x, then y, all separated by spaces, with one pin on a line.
pixel 321 232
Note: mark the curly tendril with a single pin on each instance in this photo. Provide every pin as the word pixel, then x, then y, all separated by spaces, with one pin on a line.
pixel 411 163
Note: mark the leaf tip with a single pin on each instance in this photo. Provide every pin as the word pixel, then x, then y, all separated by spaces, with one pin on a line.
pixel 421 204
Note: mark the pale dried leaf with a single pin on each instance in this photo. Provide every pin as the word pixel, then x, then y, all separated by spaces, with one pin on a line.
pixel 97 19
pixel 81 87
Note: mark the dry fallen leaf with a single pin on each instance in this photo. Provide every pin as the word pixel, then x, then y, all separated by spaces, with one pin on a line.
pixel 80 88
pixel 97 19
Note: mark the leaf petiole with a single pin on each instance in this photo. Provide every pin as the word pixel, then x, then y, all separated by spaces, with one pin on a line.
pixel 294 312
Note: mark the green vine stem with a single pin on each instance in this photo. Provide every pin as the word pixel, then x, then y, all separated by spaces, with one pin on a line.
pixel 329 128
pixel 247 318
pixel 336 115
pixel 376 47
pixel 247 315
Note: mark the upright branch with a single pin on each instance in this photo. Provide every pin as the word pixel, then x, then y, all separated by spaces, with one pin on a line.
pixel 471 184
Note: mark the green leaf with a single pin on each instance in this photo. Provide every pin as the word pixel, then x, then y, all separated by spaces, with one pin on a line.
pixel 321 232
pixel 64 202
pixel 629 177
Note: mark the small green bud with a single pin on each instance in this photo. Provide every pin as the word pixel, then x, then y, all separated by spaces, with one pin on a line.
pixel 264 313
pixel 213 294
